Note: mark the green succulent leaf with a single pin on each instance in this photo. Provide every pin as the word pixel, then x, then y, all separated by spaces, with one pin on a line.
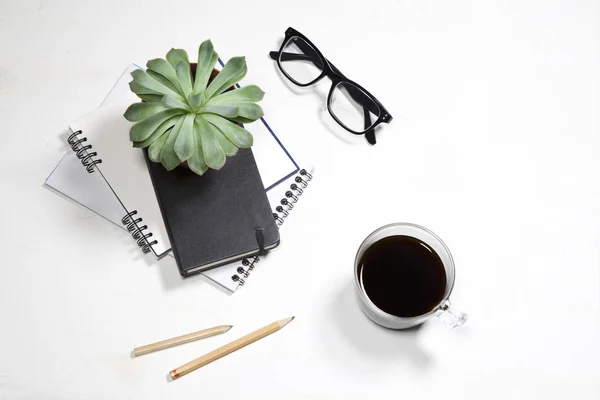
pixel 175 56
pixel 168 157
pixel 213 63
pixel 162 128
pixel 156 148
pixel 139 89
pixel 250 111
pixel 229 148
pixel 241 120
pixel 143 129
pixel 206 63
pixel 195 100
pixel 151 98
pixel 196 161
pixel 171 102
pixel 185 146
pixel 139 111
pixel 185 78
pixel 244 94
pixel 143 79
pixel 214 156
pixel 162 67
pixel 162 80
pixel 235 133
pixel 224 111
pixel 234 70
pixel 231 82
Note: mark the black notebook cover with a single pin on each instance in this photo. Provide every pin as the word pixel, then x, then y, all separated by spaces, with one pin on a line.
pixel 216 218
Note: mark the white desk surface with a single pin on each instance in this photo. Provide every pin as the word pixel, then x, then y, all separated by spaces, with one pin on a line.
pixel 494 146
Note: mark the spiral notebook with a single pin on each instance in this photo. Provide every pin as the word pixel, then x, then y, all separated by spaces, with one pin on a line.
pixel 281 176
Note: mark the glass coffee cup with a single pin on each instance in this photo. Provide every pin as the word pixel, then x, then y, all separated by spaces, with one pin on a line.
pixel 404 275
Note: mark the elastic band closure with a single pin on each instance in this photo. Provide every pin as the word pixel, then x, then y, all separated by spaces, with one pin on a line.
pixel 260 240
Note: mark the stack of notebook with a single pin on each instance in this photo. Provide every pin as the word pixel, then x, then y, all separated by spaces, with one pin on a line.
pixel 216 224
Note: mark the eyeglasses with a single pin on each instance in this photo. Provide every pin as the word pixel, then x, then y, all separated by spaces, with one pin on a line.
pixel 355 109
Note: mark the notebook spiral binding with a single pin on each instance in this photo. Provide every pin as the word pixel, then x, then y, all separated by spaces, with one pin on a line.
pixel 282 212
pixel 133 226
pixel 81 151
pixel 89 160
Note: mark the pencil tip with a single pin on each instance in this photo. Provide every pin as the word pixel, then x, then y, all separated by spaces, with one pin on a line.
pixel 286 321
pixel 228 327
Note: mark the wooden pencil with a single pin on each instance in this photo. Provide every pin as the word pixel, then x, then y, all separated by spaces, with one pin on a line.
pixel 176 341
pixel 229 348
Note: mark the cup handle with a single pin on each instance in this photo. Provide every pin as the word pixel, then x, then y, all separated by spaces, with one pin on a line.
pixel 451 316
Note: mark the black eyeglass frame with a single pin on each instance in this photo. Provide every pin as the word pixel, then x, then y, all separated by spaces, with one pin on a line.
pixel 329 70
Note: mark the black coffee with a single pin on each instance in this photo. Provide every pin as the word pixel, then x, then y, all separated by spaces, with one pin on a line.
pixel 403 276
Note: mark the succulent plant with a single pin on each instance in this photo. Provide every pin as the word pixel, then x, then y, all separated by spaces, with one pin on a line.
pixel 190 118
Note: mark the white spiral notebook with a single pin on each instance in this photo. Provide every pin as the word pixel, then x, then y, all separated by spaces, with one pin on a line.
pixel 92 174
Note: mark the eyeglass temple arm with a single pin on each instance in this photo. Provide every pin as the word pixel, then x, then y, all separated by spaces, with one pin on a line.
pixel 356 94
pixel 369 134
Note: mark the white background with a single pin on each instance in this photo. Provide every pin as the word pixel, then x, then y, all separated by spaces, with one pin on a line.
pixel 494 146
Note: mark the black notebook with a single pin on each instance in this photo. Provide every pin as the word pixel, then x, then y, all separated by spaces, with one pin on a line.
pixel 217 218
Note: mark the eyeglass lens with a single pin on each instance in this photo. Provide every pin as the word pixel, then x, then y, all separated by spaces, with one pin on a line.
pixel 352 107
pixel 300 61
